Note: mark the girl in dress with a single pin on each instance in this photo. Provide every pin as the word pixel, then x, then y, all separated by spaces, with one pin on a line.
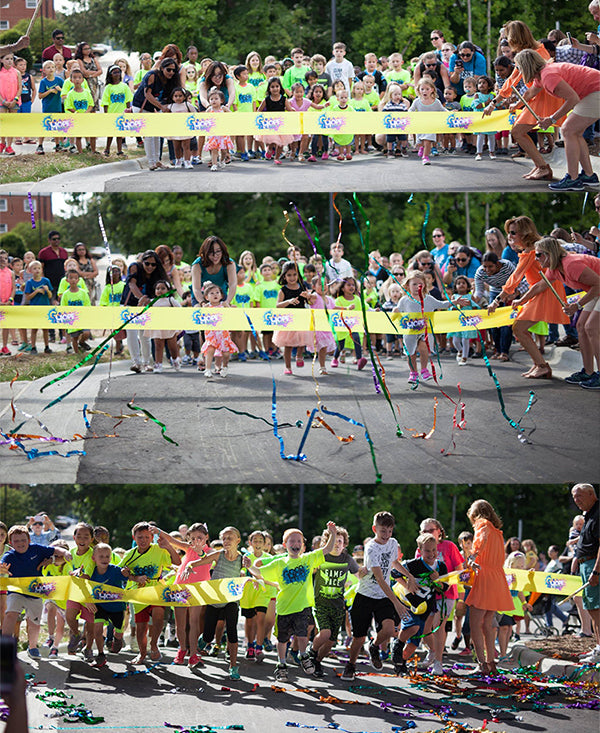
pixel 161 289
pixel 489 592
pixel 275 101
pixel 181 143
pixel 324 342
pixel 216 343
pixel 427 101
pixel 294 293
pixel 215 143
pixel 461 339
pixel 346 298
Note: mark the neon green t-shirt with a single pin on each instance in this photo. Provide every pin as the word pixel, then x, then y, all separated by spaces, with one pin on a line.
pixel 54 571
pixel 261 92
pixel 294 577
pixel 244 295
pixel 256 78
pixel 245 97
pixel 68 85
pixel 361 105
pixel 293 75
pixel 78 102
pixel 71 299
pixel 81 561
pixel 191 86
pixel 111 295
pixel 63 285
pixel 116 97
pixel 149 563
pixel 372 98
pixel 402 76
pixel 341 302
pixel 266 293
pixel 253 596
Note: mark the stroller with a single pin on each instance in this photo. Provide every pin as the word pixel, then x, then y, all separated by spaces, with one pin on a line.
pixel 539 607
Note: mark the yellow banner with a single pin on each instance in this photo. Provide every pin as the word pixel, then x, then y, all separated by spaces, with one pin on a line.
pixel 234 319
pixel 66 587
pixel 327 122
pixel 527 581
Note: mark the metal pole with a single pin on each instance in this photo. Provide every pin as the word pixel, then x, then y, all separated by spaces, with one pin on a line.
pixel 301 507
pixel 468 219
pixel 435 501
pixel 520 529
pixel 333 21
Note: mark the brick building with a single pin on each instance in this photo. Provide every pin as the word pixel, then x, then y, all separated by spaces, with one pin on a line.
pixel 14 209
pixel 12 11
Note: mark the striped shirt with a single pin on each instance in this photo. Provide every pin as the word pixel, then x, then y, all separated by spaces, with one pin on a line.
pixel 495 282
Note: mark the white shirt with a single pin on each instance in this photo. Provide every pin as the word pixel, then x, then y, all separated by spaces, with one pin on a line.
pixel 377 556
pixel 344 71
pixel 338 270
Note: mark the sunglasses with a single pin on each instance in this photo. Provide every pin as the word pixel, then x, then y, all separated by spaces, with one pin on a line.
pixel 539 255
pixel 59 38
pixel 430 66
pixel 150 263
pixel 54 238
pixel 465 55
pixel 435 38
pixel 435 236
pixel 512 233
pixel 461 259
pixel 169 68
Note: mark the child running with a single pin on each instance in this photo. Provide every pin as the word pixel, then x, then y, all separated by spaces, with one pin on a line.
pixel 107 573
pixel 346 298
pixel 162 337
pixel 294 293
pixel 426 102
pixel 216 343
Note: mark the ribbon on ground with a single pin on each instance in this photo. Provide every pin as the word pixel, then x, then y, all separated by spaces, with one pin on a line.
pixel 325 122
pixel 67 587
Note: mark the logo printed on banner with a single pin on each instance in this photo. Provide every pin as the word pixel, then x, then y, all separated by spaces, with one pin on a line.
pixel 510 579
pixel 2 316
pixel 512 118
pixel 392 122
pixel 52 124
pixel 43 589
pixel 276 319
pixel 555 583
pixel 513 315
pixel 140 320
pixel 469 320
pixel 331 123
pixel 412 324
pixel 465 576
pixel 461 122
pixel 68 317
pixel 200 125
pixel 206 319
pixel 268 123
pixel 127 124
pixel 338 322
pixel 235 588
pixel 100 594
pixel 176 596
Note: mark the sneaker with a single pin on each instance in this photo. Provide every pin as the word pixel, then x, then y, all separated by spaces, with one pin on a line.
pixel 49 642
pixel 33 651
pixel 312 159
pixel 578 377
pixel 73 643
pixel 214 652
pixel 259 655
pixel 147 368
pixel 292 657
pixel 362 363
pixel 428 661
pixel 157 369
pixel 426 375
pixel 426 160
pixel 349 672
pixel 101 660
pixel 39 150
pixel 375 657
pixel 593 382
pixel 53 653
pixel 188 164
pixel 195 661
pixel 9 151
pixel 208 373
pixel 88 655
pixel 117 645
pixel 250 652
pixel 413 378
pixel 592 658
pixel 566 184
pixel 492 156
pixel 307 663
pixel 5 351
pixel 591 181
pixel 325 156
pixel 400 668
pixel 234 672
pixel 47 350
pixel 176 364
pixel 478 156
pixel 244 157
pixel 334 362
pixel 466 652
pixel 287 371
pixel 135 368
pixel 32 350
pixel 2 148
pixel 319 671
pixel 187 360
pixel 462 360
pixel 281 672
pixel 436 668
pixel 180 656
pixel 267 645
pixel 455 643
pixel 263 355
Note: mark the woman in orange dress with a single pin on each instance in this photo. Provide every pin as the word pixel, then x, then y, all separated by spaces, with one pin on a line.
pixel 489 592
pixel 544 306
pixel 520 37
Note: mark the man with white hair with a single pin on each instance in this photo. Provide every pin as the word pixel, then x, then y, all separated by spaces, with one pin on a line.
pixel 587 560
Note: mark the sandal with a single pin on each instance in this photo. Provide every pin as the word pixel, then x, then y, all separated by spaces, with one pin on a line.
pixel 540 174
pixel 503 357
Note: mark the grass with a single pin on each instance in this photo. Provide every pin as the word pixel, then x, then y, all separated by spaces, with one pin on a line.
pixel 33 167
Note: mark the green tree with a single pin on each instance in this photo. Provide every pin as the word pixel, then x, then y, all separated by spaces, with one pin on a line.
pixel 13 244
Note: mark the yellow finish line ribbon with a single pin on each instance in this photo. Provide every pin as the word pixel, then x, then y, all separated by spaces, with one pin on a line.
pixel 67 587
pixel 527 581
pixel 234 319
pixel 326 122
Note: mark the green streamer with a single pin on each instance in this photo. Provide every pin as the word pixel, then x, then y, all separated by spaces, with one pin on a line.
pixel 150 416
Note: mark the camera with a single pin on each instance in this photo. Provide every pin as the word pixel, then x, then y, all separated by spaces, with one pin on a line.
pixel 452 261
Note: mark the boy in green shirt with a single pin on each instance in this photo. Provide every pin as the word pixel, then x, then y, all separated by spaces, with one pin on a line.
pixel 266 292
pixel 75 296
pixel 293 605
pixel 245 96
pixel 80 101
pixel 296 73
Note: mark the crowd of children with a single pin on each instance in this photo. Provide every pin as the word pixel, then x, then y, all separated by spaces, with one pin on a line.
pixel 298 83
pixel 307 595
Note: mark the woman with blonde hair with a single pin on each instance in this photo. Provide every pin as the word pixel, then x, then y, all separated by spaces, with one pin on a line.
pixel 579 88
pixel 489 592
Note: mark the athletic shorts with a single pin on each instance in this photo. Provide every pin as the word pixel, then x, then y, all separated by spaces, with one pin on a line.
pixel 591 596
pixel 16 603
pixel 251 612
pixel 293 624
pixel 364 609
pixel 84 613
pixel 330 617
pixel 144 616
pixel 115 617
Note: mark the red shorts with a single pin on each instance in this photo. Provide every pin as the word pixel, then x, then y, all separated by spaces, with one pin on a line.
pixel 143 616
pixel 84 614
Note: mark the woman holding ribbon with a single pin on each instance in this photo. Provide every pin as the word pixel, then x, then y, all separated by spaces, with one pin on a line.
pixel 523 234
pixel 579 88
pixel 582 273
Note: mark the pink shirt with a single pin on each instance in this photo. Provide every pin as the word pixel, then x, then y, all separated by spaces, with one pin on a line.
pixel 9 84
pixel 300 108
pixel 198 574
pixel 582 79
pixel 573 265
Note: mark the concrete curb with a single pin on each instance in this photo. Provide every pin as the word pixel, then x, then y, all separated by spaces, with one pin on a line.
pixel 525 657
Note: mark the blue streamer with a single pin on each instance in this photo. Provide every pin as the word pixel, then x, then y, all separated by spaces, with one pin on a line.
pixel 299 456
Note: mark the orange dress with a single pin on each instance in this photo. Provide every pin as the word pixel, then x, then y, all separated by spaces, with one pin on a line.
pixel 543 104
pixel 490 589
pixel 544 306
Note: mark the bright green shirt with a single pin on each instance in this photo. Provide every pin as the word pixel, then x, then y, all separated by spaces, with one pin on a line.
pixel 64 285
pixel 81 561
pixel 71 299
pixel 372 98
pixel 402 76
pixel 254 597
pixel 244 295
pixel 244 97
pixel 293 75
pixel 266 293
pixel 116 97
pixel 294 577
pixel 78 102
pixel 111 295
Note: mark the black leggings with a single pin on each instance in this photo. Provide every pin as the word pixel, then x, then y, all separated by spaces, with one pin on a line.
pixel 214 614
pixel 357 346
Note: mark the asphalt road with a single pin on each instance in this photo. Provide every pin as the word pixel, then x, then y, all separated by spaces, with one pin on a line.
pixel 218 446
pixel 178 696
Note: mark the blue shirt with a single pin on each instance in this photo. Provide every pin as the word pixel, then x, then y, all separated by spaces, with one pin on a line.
pixel 475 66
pixel 25 564
pixel 113 576
pixel 39 298
pixel 510 255
pixel 440 256
pixel 51 103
